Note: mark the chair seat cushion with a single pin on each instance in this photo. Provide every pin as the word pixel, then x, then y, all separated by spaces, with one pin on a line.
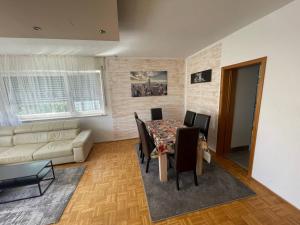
pixel 19 153
pixel 54 149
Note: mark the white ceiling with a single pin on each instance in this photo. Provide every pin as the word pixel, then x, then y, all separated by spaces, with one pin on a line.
pixel 156 28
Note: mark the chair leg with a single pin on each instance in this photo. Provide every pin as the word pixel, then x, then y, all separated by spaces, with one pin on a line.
pixel 143 156
pixel 177 180
pixel 195 178
pixel 140 149
pixel 147 167
pixel 169 164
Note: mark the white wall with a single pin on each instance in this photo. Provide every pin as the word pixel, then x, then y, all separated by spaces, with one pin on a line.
pixel 277 154
pixel 245 97
pixel 101 126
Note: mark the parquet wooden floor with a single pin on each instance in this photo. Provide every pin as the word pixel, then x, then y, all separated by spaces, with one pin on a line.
pixel 111 193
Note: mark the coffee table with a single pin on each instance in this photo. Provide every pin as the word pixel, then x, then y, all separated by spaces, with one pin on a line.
pixel 24 174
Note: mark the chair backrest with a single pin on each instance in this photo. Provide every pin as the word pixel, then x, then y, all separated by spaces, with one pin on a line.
pixel 186 148
pixel 156 114
pixel 136 115
pixel 189 118
pixel 202 122
pixel 147 142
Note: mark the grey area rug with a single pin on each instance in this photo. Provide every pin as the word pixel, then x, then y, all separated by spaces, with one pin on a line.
pixel 215 186
pixel 43 210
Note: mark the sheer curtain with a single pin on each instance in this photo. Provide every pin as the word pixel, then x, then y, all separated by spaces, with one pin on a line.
pixel 34 87
pixel 8 116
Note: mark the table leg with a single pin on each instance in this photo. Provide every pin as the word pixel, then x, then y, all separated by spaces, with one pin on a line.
pixel 199 167
pixel 52 168
pixel 163 168
pixel 40 189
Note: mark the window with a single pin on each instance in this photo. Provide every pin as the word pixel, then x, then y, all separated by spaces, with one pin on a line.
pixel 52 94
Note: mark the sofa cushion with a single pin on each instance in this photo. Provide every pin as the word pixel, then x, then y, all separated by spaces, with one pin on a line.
pixel 47 126
pixel 30 138
pixel 4 149
pixel 19 153
pixel 44 137
pixel 6 141
pixel 62 135
pixel 54 149
pixel 6 134
pixel 6 131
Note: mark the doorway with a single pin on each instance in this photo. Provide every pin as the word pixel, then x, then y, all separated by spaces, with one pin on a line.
pixel 240 99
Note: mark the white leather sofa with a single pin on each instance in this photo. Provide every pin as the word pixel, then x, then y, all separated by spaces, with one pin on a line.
pixel 61 141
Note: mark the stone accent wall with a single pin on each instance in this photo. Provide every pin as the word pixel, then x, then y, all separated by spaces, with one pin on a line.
pixel 123 105
pixel 204 97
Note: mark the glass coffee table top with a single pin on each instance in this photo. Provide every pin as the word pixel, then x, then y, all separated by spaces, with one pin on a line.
pixel 14 171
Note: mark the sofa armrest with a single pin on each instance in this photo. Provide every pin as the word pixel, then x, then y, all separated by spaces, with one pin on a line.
pixel 81 138
pixel 82 145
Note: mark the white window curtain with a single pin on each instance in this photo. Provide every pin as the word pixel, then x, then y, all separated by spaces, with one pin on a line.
pixel 8 115
pixel 37 87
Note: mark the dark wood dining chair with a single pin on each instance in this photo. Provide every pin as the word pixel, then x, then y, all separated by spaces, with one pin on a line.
pixel 140 142
pixel 185 156
pixel 202 122
pixel 156 114
pixel 147 142
pixel 189 118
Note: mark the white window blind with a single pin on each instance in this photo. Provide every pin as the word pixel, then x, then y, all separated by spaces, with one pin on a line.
pixel 38 94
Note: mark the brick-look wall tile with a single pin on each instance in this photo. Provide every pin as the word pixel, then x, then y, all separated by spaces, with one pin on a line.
pixel 123 105
pixel 204 97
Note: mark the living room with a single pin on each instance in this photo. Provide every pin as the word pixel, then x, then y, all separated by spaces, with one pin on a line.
pixel 94 110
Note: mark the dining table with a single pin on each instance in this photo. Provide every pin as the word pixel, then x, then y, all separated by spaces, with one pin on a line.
pixel 163 133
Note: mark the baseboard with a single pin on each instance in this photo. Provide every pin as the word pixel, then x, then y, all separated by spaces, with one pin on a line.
pixel 259 183
pixel 108 141
pixel 285 201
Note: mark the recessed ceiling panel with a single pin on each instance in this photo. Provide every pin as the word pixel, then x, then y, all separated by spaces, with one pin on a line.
pixel 59 19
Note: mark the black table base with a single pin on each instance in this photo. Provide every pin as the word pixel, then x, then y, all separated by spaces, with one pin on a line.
pixel 41 177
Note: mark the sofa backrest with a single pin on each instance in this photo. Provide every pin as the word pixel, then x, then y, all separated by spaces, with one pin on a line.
pixel 6 136
pixel 46 126
pixel 43 132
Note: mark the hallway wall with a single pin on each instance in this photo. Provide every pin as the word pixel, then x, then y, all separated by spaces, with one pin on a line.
pixel 244 107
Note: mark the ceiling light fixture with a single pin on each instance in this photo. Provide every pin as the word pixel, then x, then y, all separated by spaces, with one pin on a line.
pixel 101 31
pixel 37 28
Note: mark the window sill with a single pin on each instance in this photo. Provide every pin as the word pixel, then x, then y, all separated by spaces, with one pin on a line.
pixel 59 117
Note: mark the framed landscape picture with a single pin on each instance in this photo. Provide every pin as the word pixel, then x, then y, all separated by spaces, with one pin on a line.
pixel 201 77
pixel 149 83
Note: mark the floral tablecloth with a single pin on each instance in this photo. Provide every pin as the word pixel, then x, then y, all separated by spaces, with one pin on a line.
pixel 164 134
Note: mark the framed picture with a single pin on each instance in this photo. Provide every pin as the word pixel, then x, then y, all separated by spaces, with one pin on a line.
pixel 201 77
pixel 149 83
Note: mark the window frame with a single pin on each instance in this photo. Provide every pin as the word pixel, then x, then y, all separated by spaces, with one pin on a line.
pixel 72 113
